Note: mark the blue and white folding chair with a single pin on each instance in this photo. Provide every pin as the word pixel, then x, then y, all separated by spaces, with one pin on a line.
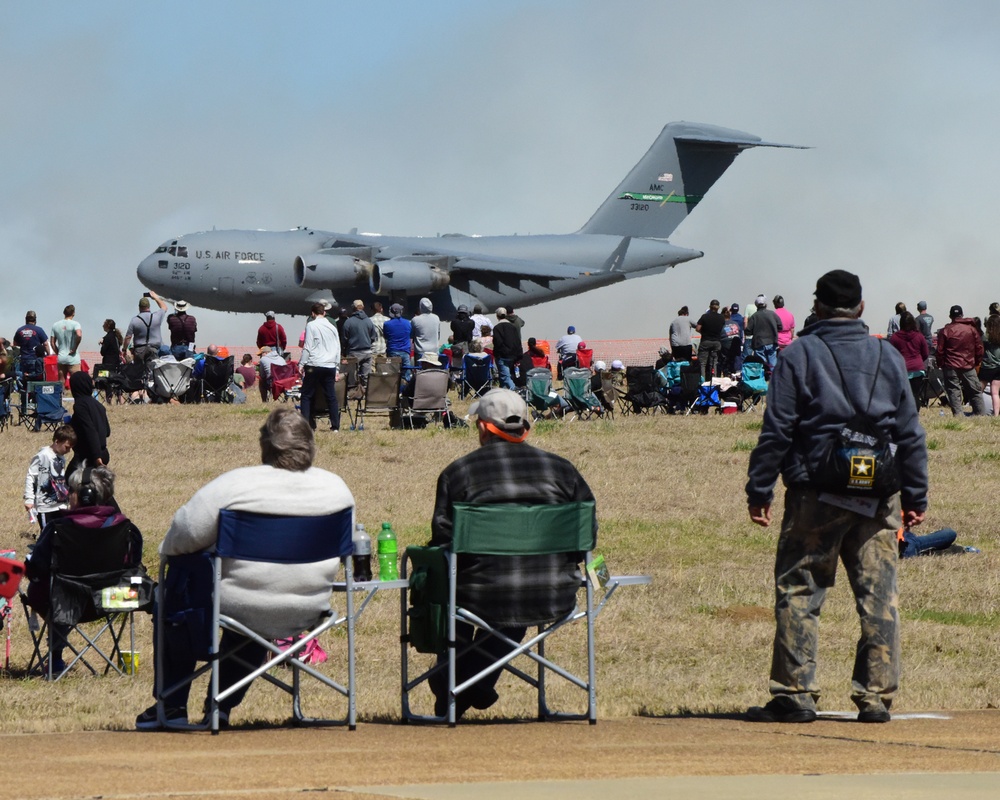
pixel 273 539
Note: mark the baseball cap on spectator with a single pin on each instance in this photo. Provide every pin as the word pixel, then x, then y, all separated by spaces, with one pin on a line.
pixel 617 364
pixel 396 310
pixel 269 314
pixel 761 301
pixel 504 410
pixel 955 312
pixel 922 305
pixel 600 366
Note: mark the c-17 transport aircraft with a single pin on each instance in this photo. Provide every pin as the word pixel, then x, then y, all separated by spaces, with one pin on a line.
pixel 287 271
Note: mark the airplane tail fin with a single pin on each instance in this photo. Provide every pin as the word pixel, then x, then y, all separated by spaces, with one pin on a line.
pixel 670 180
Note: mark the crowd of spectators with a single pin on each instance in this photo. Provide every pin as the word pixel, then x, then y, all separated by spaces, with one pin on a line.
pixel 959 361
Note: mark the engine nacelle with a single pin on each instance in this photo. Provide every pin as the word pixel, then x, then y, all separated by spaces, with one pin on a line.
pixel 407 277
pixel 325 271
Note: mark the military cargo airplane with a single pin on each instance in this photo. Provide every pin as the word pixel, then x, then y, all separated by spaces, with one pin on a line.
pixel 287 271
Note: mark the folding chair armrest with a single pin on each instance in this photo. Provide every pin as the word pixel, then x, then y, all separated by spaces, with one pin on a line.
pixel 619 580
pixel 630 580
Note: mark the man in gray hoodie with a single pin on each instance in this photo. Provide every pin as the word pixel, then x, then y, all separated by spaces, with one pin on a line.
pixel 426 329
pixel 832 372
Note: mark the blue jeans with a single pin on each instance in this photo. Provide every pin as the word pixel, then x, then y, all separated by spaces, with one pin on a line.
pixel 504 367
pixel 768 354
pixel 327 378
pixel 181 351
pixel 914 545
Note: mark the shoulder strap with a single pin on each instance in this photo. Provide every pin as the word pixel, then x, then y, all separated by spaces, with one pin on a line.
pixel 843 383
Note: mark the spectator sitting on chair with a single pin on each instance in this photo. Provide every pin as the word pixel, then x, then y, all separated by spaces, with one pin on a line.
pixel 272 599
pixel 486 339
pixel 504 470
pixel 268 358
pixel 92 506
pixel 665 358
pixel 212 351
pixel 427 361
pixel 533 358
pixel 246 371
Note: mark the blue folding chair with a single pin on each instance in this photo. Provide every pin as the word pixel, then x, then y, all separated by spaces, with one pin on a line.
pixel 257 537
pixel 42 407
pixel 477 375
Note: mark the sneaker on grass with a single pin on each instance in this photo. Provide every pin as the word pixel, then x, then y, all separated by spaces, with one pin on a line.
pixel 149 721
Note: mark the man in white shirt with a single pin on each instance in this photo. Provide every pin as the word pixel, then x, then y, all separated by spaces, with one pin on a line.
pixel 319 363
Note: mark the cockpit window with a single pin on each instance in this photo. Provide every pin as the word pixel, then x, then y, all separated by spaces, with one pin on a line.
pixel 173 249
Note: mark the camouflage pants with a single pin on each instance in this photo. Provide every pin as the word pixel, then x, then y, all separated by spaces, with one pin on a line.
pixel 813 537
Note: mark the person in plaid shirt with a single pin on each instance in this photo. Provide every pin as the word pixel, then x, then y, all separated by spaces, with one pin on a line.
pixel 509 591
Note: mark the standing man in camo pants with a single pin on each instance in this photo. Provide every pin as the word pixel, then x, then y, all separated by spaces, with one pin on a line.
pixel 810 399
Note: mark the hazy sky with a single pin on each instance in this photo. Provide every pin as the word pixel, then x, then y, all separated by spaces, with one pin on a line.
pixel 126 123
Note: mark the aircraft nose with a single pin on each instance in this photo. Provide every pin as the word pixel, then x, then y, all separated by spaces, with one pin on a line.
pixel 148 270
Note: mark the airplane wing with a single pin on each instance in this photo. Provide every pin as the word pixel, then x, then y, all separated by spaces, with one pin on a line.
pixel 475 262
pixel 517 266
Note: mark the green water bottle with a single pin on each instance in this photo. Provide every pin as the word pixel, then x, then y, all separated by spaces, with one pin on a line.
pixel 388 569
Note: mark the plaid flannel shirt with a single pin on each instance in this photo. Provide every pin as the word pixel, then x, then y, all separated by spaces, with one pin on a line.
pixel 511 590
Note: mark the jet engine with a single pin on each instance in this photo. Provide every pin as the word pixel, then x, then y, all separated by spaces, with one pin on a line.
pixel 326 271
pixel 407 277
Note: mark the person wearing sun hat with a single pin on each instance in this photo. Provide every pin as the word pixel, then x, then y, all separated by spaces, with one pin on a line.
pixel 183 327
pixel 835 371
pixel 504 469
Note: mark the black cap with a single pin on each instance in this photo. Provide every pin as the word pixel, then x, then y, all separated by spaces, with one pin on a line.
pixel 955 312
pixel 839 289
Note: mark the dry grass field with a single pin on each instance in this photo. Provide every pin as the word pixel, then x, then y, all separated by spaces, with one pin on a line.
pixel 670 504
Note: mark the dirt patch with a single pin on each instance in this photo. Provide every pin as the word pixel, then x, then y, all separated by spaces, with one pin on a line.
pixel 278 762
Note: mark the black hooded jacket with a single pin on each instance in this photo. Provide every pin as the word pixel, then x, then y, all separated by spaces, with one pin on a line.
pixel 90 421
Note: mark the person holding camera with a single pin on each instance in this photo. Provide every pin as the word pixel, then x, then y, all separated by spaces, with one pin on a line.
pixel 145 332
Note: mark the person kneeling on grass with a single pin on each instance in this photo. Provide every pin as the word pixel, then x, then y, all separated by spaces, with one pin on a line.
pixel 271 599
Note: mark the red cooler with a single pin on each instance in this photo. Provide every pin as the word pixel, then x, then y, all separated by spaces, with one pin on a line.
pixel 51 368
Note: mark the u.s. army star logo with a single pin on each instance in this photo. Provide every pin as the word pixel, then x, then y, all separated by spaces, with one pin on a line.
pixel 862 470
